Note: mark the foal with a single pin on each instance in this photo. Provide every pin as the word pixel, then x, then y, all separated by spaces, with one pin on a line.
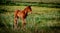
pixel 21 14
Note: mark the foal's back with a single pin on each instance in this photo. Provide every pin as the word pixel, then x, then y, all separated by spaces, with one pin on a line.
pixel 19 13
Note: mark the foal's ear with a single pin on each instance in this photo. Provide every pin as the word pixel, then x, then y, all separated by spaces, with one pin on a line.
pixel 29 6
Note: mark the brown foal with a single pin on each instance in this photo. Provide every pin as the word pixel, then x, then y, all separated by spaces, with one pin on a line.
pixel 21 14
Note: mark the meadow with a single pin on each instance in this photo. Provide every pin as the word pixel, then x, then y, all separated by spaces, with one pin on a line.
pixel 42 20
pixel 45 17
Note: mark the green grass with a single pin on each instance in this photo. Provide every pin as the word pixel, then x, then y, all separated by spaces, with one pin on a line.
pixel 39 4
pixel 42 20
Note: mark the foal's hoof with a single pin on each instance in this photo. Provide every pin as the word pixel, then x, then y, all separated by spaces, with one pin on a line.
pixel 24 23
pixel 18 28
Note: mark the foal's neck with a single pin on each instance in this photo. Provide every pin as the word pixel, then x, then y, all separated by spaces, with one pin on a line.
pixel 26 10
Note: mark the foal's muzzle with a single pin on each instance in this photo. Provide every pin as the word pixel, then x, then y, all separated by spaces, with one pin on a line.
pixel 31 12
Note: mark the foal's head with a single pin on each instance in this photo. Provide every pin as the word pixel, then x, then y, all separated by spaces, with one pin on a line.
pixel 29 9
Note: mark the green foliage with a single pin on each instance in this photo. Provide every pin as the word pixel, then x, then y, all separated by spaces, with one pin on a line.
pixel 40 4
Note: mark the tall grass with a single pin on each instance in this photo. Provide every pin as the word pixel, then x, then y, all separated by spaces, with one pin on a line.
pixel 42 20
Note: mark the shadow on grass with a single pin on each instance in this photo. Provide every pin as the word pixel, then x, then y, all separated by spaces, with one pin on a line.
pixel 3 10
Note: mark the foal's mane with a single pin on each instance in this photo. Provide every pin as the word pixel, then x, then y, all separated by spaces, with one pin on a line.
pixel 28 7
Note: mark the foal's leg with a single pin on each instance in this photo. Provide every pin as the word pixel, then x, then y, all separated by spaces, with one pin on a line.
pixel 23 23
pixel 15 23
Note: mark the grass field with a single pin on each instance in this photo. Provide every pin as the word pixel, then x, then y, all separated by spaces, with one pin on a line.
pixel 42 20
